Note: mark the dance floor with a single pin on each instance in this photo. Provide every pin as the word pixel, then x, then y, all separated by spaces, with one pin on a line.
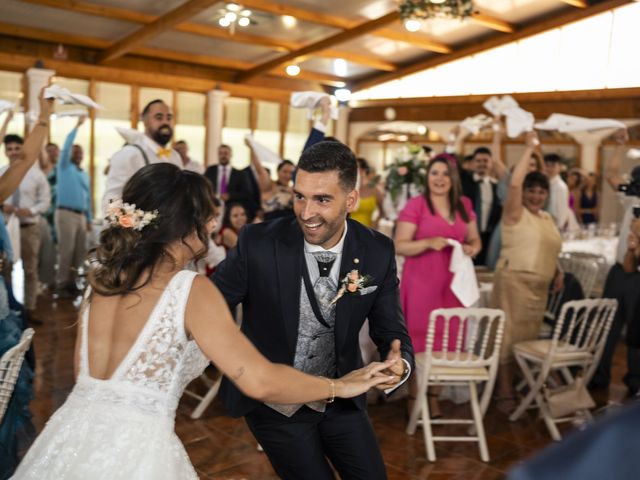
pixel 221 447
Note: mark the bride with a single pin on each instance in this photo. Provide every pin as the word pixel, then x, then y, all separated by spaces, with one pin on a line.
pixel 147 328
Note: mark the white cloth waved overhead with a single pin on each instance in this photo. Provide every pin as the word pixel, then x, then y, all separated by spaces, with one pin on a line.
pixel 266 156
pixel 311 100
pixel 129 134
pixel 6 106
pixel 72 113
pixel 464 284
pixel 497 106
pixel 633 153
pixel 476 123
pixel 518 121
pixel 65 96
pixel 571 123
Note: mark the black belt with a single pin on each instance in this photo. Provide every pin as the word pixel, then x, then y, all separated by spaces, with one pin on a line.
pixel 74 210
pixel 25 225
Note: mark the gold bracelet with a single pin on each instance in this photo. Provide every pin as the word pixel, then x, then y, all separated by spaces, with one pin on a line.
pixel 333 390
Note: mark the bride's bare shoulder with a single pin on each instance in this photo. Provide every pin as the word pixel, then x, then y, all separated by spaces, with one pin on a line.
pixel 204 294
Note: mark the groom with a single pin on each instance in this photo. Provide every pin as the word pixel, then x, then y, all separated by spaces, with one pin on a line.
pixel 286 273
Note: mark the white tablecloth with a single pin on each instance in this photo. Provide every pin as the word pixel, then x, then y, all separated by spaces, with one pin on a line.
pixel 604 246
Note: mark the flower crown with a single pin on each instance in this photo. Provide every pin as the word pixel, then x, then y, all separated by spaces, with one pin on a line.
pixel 125 215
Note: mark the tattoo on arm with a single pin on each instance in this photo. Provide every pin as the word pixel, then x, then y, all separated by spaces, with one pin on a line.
pixel 238 374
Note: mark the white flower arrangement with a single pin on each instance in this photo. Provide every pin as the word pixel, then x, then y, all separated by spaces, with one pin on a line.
pixel 125 215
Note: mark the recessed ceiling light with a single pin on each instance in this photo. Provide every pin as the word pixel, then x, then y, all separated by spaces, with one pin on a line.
pixel 292 70
pixel 340 67
pixel 289 21
pixel 412 25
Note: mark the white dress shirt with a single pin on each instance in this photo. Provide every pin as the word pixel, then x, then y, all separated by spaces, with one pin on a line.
pixel 34 194
pixel 314 274
pixel 625 227
pixel 559 201
pixel 485 184
pixel 127 161
pixel 194 166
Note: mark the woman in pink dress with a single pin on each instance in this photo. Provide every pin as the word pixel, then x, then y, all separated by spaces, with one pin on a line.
pixel 425 225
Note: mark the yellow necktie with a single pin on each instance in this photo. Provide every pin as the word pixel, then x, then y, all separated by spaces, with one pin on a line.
pixel 164 152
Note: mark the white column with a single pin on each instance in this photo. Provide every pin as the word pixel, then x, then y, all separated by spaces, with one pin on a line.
pixel 590 143
pixel 36 78
pixel 215 122
pixel 341 131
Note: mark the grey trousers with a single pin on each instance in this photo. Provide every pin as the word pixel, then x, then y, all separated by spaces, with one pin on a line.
pixel 72 250
pixel 47 262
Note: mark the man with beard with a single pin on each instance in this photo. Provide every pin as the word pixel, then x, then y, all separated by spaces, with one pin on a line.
pixel 288 273
pixel 150 148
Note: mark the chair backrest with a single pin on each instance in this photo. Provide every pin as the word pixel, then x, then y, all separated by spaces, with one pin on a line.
pixel 583 326
pixel 584 267
pixel 10 364
pixel 471 337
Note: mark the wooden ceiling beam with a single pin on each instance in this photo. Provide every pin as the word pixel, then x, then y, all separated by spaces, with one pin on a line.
pixel 548 23
pixel 209 31
pixel 493 23
pixel 414 39
pixel 163 23
pixel 577 3
pixel 216 62
pixel 324 44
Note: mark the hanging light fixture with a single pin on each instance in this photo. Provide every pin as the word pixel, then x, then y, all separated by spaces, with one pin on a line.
pixel 412 12
pixel 234 14
pixel 292 70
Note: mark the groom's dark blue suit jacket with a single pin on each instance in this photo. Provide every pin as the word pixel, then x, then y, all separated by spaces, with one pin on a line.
pixel 264 273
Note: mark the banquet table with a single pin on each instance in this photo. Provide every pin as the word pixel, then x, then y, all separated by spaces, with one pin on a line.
pixel 605 247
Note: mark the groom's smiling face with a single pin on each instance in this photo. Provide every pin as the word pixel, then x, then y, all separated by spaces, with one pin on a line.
pixel 321 205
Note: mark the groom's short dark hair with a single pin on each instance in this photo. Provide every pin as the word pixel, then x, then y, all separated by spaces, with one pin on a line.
pixel 331 155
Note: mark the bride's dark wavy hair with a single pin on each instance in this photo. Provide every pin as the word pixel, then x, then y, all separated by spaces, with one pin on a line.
pixel 183 200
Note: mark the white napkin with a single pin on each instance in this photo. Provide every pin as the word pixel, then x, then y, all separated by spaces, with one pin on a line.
pixel 476 123
pixel 72 113
pixel 497 106
pixel 518 121
pixel 464 284
pixel 129 134
pixel 263 153
pixel 6 106
pixel 65 96
pixel 633 153
pixel 310 101
pixel 571 123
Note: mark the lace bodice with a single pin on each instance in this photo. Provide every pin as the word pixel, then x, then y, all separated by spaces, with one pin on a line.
pixel 159 365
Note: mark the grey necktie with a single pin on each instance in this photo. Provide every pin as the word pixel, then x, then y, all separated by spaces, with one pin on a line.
pixel 325 288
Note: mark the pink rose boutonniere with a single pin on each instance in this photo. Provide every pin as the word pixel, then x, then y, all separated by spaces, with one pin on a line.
pixel 352 284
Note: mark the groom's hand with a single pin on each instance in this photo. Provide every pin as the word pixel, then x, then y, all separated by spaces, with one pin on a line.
pixel 396 370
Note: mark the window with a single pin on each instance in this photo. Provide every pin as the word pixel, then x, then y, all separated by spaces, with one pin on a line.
pixel 11 91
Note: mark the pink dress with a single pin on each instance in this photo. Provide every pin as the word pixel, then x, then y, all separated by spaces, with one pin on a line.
pixel 426 279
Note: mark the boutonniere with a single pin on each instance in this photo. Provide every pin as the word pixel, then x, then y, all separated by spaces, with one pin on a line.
pixel 352 284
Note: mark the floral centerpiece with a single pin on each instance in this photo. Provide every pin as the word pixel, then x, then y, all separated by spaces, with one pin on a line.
pixel 409 169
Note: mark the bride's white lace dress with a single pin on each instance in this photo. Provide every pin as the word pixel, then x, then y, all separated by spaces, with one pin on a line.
pixel 123 427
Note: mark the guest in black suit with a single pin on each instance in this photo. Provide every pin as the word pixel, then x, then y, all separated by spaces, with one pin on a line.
pixel 286 273
pixel 229 183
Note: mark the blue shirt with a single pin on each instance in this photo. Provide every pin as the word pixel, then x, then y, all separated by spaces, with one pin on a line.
pixel 73 190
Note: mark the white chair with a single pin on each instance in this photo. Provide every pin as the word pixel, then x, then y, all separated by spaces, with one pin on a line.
pixel 577 343
pixel 474 360
pixel 10 364
pixel 585 269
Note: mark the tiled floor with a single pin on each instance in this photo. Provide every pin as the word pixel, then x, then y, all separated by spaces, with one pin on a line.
pixel 222 448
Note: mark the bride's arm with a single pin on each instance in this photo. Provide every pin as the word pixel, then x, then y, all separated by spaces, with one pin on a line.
pixel 208 320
